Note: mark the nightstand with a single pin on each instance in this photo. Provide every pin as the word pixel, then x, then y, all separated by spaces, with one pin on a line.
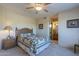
pixel 8 43
pixel 75 46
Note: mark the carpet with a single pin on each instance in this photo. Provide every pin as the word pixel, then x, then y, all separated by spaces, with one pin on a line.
pixel 52 50
pixel 16 51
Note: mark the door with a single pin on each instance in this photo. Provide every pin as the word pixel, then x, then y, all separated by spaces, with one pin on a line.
pixel 54 29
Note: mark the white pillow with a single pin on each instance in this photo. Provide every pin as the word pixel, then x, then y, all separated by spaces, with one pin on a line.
pixel 25 34
pixel 29 34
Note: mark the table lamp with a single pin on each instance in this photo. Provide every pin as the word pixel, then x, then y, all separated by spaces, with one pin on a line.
pixel 8 28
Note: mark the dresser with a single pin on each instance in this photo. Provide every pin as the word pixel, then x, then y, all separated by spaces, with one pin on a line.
pixel 8 43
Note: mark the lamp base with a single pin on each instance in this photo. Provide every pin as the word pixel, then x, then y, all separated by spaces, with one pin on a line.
pixel 8 37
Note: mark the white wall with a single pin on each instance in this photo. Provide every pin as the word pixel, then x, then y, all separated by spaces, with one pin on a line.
pixel 68 36
pixel 9 17
pixel 45 31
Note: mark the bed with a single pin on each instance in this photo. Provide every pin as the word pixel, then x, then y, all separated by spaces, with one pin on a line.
pixel 31 43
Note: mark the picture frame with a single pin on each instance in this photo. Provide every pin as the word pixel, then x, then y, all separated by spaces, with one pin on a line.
pixel 74 23
pixel 40 26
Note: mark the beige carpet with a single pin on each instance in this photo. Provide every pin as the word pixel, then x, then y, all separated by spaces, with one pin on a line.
pixel 16 51
pixel 55 50
pixel 52 50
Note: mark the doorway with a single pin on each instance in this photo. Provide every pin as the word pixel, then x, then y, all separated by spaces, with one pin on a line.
pixel 54 29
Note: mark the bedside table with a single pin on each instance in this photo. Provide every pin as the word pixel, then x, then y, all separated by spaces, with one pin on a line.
pixel 75 46
pixel 8 43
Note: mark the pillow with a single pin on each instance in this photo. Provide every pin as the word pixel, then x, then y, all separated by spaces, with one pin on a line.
pixel 28 34
pixel 25 34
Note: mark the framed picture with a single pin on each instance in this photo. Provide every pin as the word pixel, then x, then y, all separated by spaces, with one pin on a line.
pixel 40 26
pixel 74 23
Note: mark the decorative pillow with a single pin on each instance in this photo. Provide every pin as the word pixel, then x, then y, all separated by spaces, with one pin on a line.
pixel 29 34
pixel 25 34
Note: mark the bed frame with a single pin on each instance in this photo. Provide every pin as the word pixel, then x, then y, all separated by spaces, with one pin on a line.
pixel 25 47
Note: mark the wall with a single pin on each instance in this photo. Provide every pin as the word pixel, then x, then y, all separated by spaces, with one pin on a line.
pixel 68 36
pixel 9 17
pixel 45 31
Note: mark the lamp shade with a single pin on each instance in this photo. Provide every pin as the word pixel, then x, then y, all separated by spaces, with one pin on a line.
pixel 7 28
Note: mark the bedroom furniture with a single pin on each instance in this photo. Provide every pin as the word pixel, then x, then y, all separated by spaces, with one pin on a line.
pixel 8 43
pixel 8 28
pixel 75 46
pixel 31 43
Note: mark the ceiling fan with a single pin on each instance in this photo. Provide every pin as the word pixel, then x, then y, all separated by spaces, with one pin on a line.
pixel 39 6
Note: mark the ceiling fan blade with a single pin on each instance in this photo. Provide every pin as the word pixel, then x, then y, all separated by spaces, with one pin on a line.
pixel 29 7
pixel 47 3
pixel 45 10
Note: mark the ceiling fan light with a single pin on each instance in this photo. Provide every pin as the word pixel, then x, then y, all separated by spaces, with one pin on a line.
pixel 38 8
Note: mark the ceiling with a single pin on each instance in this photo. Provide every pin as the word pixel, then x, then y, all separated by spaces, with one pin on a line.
pixel 53 9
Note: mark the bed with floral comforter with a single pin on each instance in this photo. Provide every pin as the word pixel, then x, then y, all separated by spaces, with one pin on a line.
pixel 32 44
